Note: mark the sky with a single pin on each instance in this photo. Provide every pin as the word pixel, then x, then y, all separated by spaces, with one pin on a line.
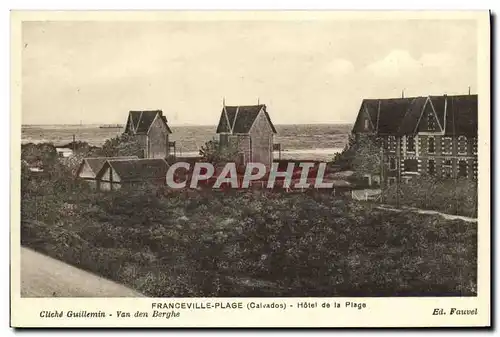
pixel 315 71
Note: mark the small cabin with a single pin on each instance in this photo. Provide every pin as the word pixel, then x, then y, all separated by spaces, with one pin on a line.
pixel 89 167
pixel 250 129
pixel 116 174
pixel 152 131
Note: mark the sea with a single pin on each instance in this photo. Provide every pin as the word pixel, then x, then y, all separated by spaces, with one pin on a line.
pixel 298 141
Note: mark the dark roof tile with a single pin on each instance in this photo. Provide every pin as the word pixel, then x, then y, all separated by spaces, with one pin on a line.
pixel 137 169
pixel 412 115
pixel 96 163
pixel 139 122
pixel 399 116
pixel 462 115
pixel 392 112
pixel 241 118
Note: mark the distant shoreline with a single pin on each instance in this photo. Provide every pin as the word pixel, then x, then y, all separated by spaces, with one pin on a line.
pixel 171 125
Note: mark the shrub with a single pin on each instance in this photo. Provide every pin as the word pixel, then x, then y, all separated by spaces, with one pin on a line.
pixel 205 243
pixel 448 196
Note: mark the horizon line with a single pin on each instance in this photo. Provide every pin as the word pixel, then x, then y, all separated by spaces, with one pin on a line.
pixel 180 125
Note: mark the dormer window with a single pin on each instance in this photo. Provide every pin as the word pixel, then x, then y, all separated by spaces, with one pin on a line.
pixel 431 122
pixel 366 124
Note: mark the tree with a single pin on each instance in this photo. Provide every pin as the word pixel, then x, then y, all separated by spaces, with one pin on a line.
pixel 41 155
pixel 123 145
pixel 214 152
pixel 361 154
pixel 366 155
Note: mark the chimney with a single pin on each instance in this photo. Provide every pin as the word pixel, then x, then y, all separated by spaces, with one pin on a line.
pixel 469 89
pixel 403 93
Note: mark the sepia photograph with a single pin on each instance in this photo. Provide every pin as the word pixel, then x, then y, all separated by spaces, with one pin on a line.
pixel 251 156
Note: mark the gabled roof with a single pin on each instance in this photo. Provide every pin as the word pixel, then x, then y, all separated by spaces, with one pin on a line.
pixel 139 122
pixel 392 113
pixel 96 163
pixel 412 115
pixel 400 116
pixel 438 103
pixel 239 119
pixel 386 115
pixel 136 169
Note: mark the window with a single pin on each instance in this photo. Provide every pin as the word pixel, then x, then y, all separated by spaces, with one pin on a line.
pixel 462 169
pixel 431 121
pixel 392 163
pixel 410 144
pixel 411 165
pixel 447 168
pixel 392 143
pixel 385 143
pixel 391 181
pixel 462 145
pixel 431 167
pixel 447 145
pixel 366 124
pixel 474 169
pixel 431 146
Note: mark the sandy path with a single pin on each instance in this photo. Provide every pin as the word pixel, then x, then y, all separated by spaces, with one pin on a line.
pixel 42 276
pixel 424 211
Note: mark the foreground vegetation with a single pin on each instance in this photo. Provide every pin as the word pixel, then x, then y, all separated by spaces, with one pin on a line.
pixel 448 196
pixel 204 243
pixel 452 196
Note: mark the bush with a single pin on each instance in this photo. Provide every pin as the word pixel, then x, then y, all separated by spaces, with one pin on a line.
pixel 39 155
pixel 206 243
pixel 123 145
pixel 447 196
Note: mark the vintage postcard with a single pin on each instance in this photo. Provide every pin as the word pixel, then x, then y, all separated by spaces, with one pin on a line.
pixel 250 169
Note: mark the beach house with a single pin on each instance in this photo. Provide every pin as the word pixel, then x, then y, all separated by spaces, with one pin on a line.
pixel 151 130
pixel 131 173
pixel 90 167
pixel 249 128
